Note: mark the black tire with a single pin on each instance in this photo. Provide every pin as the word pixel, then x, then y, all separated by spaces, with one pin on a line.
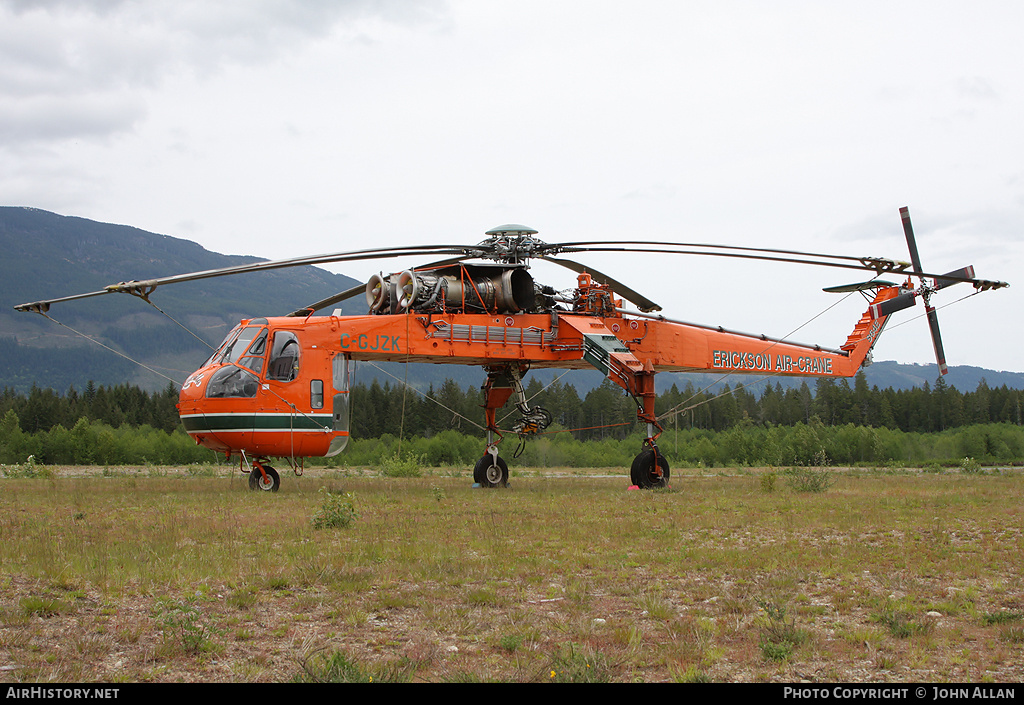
pixel 645 474
pixel 271 484
pixel 488 474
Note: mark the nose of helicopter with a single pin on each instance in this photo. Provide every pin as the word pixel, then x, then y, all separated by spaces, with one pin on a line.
pixel 192 396
pixel 195 412
pixel 192 390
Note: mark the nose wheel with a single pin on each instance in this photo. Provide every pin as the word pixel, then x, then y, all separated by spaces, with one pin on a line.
pixel 264 478
pixel 491 471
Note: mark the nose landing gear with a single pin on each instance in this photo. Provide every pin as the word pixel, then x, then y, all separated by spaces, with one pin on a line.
pixel 263 477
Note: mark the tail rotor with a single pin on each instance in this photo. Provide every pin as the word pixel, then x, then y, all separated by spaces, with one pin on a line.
pixel 929 284
pixel 926 290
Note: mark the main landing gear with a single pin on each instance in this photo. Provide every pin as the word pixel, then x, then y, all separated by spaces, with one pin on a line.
pixel 649 469
pixel 491 471
pixel 502 382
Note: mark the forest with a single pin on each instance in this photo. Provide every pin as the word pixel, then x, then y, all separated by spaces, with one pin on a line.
pixel 831 422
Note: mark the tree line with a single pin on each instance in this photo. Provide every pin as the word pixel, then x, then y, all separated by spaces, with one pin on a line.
pixel 840 422
pixel 603 412
pixel 606 412
pixel 115 406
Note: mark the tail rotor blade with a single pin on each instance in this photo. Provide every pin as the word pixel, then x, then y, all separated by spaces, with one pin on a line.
pixel 940 354
pixel 933 318
pixel 960 274
pixel 893 305
pixel 908 230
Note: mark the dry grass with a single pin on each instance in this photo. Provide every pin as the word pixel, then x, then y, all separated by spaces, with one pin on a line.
pixel 157 575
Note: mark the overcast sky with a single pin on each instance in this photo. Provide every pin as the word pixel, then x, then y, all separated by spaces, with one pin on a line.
pixel 279 128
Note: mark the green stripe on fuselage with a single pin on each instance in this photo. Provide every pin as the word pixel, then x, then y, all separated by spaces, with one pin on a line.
pixel 256 422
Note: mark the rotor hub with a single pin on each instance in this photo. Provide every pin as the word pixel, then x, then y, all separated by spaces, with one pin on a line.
pixel 511 229
pixel 511 244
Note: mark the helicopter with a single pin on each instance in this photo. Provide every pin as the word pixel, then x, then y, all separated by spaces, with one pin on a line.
pixel 278 386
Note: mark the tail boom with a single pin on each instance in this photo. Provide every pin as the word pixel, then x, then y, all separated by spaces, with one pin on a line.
pixel 675 346
pixel 868 329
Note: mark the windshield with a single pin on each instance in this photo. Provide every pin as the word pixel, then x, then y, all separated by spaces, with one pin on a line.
pixel 228 339
pixel 254 355
pixel 237 343
pixel 232 381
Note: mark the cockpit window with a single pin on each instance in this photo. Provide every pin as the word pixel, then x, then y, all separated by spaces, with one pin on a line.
pixel 232 381
pixel 284 357
pixel 253 358
pixel 237 343
pixel 228 339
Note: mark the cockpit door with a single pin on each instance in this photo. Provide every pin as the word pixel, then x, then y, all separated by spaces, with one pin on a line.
pixel 340 410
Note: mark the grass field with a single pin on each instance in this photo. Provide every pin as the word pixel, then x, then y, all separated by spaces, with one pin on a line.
pixel 172 574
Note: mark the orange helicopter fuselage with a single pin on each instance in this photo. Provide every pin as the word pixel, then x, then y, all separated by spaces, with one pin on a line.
pixel 279 386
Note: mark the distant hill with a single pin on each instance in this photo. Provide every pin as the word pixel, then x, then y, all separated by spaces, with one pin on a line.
pixel 883 375
pixel 46 255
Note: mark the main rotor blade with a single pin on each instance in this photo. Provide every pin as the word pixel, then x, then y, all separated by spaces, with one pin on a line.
pixel 859 286
pixel 360 289
pixel 636 298
pixel 539 249
pixel 874 264
pixel 145 287
pixel 352 256
pixel 711 246
pixel 324 303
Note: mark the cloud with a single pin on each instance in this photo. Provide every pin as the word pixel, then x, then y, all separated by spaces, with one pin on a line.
pixel 274 128
pixel 84 70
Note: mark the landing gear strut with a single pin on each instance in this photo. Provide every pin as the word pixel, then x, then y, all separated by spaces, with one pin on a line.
pixel 502 382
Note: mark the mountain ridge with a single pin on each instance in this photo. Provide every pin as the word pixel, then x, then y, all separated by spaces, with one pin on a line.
pixel 49 255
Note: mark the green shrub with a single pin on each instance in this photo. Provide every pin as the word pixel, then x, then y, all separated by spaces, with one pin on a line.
pixel 573 664
pixel 337 510
pixel 337 667
pixel 778 636
pixel 970 466
pixel 44 606
pixel 184 625
pixel 404 465
pixel 901 623
pixel 810 479
pixel 30 469
pixel 1003 617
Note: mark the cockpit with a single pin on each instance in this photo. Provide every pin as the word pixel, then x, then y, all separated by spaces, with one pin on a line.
pixel 242 360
